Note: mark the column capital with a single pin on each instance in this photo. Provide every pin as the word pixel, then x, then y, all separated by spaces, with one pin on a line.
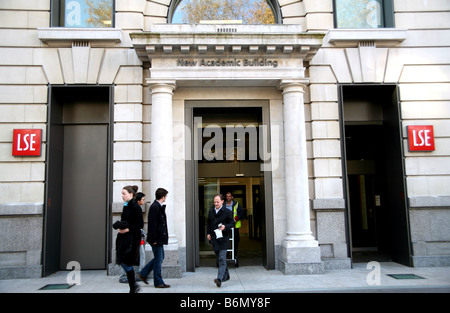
pixel 293 85
pixel 162 85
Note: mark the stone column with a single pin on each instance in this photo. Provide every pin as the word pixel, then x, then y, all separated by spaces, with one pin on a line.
pixel 300 252
pixel 162 164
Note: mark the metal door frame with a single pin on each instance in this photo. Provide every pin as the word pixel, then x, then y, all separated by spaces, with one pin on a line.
pixel 51 236
pixel 191 170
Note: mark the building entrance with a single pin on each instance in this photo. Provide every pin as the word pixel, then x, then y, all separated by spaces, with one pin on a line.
pixel 377 215
pixel 230 164
pixel 78 189
pixel 228 160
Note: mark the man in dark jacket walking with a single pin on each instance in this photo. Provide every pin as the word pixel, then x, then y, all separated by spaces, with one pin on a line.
pixel 220 221
pixel 157 236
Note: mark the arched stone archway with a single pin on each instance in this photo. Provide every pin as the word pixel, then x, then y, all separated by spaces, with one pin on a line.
pixel 275 6
pixel 286 12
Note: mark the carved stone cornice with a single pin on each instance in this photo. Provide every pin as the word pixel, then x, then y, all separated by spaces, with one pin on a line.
pixel 283 41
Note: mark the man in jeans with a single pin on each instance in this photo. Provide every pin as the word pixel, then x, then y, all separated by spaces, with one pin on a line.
pixel 157 236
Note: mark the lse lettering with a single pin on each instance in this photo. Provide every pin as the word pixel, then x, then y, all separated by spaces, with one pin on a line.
pixel 29 145
pixel 421 138
pixel 27 142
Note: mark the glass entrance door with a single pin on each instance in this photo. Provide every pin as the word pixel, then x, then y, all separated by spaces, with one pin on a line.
pixel 224 154
pixel 229 163
pixel 247 192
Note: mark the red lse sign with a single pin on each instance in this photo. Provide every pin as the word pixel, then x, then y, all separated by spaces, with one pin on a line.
pixel 27 142
pixel 421 138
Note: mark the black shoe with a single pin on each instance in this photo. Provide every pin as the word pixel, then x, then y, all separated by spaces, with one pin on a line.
pixel 226 278
pixel 163 286
pixel 218 282
pixel 135 288
pixel 142 278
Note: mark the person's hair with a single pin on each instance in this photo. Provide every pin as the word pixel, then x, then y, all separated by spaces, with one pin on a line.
pixel 139 196
pixel 160 192
pixel 131 189
pixel 220 196
pixel 228 192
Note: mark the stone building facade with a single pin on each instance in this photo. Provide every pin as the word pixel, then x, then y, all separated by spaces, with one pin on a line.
pixel 347 174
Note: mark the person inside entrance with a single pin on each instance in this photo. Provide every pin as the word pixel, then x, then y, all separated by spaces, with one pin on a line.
pixel 238 215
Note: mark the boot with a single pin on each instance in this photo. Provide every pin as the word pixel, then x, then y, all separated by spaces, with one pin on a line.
pixel 134 288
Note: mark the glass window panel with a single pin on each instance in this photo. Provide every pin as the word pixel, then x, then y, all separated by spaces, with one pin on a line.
pixel 359 13
pixel 88 13
pixel 235 11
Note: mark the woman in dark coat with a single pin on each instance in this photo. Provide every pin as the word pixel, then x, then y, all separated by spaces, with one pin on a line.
pixel 129 237
pixel 220 220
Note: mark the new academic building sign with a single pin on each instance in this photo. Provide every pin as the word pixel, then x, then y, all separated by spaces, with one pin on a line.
pixel 228 62
pixel 257 53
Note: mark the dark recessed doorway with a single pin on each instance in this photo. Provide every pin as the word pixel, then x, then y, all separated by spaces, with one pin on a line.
pixel 237 170
pixel 375 181
pixel 78 178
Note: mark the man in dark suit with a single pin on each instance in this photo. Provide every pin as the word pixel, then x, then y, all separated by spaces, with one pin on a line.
pixel 157 236
pixel 220 221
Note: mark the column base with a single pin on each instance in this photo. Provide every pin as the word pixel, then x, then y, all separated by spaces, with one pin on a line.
pixel 301 268
pixel 301 258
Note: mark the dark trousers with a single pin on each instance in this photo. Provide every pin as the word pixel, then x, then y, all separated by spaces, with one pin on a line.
pixel 237 238
pixel 221 257
pixel 155 265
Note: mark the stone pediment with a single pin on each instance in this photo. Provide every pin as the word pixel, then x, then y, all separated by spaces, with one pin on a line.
pixel 189 53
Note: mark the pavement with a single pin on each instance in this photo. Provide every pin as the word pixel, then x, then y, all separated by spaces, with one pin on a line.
pixel 362 278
